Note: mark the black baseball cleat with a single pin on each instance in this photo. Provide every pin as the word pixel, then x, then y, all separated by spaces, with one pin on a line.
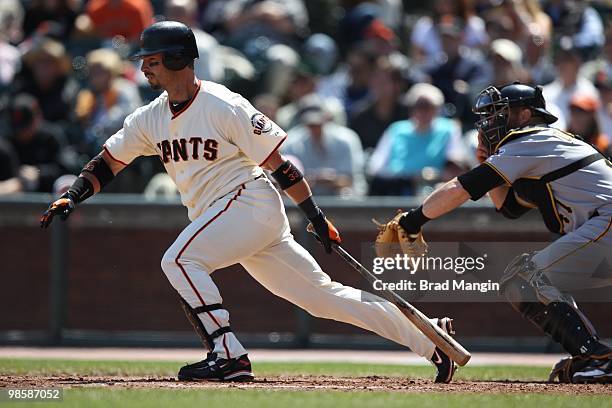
pixel 444 365
pixel 214 368
pixel 596 371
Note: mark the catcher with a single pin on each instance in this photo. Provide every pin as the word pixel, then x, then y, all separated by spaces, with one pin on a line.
pixel 527 164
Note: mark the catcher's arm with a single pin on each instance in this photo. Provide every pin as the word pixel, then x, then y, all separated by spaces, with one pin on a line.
pixel 292 182
pixel 95 175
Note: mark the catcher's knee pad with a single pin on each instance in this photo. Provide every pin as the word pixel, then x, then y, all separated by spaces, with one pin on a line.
pixel 207 338
pixel 523 281
pixel 514 284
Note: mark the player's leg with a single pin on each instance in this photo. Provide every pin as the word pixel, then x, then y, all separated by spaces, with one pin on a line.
pixel 289 271
pixel 214 240
pixel 537 286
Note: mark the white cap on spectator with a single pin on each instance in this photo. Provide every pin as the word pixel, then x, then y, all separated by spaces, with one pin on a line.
pixel 507 49
pixel 424 91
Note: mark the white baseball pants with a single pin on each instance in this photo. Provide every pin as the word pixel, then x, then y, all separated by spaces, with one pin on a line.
pixel 249 226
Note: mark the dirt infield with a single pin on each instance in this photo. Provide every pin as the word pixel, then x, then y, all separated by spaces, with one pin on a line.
pixel 309 383
pixel 270 355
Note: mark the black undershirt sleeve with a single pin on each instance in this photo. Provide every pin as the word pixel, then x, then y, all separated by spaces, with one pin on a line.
pixel 480 180
pixel 512 208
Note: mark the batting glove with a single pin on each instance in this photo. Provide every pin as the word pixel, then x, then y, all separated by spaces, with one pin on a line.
pixel 325 231
pixel 63 206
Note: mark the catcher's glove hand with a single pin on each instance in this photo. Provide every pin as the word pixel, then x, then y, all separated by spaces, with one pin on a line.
pixel 63 206
pixel 393 239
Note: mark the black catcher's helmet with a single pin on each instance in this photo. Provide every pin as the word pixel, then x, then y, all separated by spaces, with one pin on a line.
pixel 492 106
pixel 174 40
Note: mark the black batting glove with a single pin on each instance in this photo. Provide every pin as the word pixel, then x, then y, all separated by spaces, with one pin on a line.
pixel 63 206
pixel 325 231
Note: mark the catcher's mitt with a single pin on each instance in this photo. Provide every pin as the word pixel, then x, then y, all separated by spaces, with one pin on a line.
pixel 392 239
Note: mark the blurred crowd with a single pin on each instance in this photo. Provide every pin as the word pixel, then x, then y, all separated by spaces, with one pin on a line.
pixel 375 95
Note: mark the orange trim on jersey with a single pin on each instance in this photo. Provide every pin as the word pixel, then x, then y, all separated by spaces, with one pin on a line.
pixel 275 149
pixel 176 260
pixel 175 115
pixel 113 157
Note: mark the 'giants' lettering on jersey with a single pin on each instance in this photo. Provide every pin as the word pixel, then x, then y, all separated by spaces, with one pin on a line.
pixel 183 149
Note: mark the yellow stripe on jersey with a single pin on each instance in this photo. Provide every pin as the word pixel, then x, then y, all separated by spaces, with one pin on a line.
pixel 518 132
pixel 498 172
pixel 581 246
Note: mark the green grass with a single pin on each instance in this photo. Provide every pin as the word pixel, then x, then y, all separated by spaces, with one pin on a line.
pixel 294 399
pixel 228 398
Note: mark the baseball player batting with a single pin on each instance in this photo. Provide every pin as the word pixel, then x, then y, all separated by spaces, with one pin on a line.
pixel 213 144
pixel 527 164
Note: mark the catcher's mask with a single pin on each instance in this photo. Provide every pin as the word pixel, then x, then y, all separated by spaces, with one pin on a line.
pixel 492 110
pixel 492 106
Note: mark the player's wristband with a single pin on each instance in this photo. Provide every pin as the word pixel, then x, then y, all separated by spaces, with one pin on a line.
pixel 80 190
pixel 413 221
pixel 287 175
pixel 309 208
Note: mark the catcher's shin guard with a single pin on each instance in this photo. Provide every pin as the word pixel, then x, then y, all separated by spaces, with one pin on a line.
pixel 561 320
pixel 192 316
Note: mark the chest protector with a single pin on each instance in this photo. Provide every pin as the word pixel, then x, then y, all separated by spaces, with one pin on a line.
pixel 539 192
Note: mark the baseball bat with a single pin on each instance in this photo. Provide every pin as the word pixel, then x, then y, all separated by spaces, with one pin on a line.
pixel 439 337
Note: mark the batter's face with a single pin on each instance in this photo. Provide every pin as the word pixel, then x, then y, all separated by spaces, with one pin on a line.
pixel 154 70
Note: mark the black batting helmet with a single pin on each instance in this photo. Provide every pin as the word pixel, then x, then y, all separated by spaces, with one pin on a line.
pixel 492 106
pixel 174 40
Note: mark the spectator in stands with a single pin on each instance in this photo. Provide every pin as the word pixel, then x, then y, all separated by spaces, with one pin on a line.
pixel 208 66
pixel 103 105
pixel 268 33
pixel 46 74
pixel 38 145
pixel 303 85
pixel 370 118
pixel 62 14
pixel 527 19
pixel 425 38
pixel 351 82
pixel 603 83
pixel 504 66
pixel 278 21
pixel 268 105
pixel 579 21
pixel 127 18
pixel 498 25
pixel 568 61
pixel 602 65
pixel 364 22
pixel 458 68
pixel 583 121
pixel 11 16
pixel 331 154
pixel 538 61
pixel 426 140
pixel 9 170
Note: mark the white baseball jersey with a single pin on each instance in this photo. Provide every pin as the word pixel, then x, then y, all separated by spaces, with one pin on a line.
pixel 210 147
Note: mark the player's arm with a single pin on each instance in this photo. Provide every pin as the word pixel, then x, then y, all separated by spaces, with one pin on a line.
pixel 94 177
pixel 471 185
pixel 292 182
